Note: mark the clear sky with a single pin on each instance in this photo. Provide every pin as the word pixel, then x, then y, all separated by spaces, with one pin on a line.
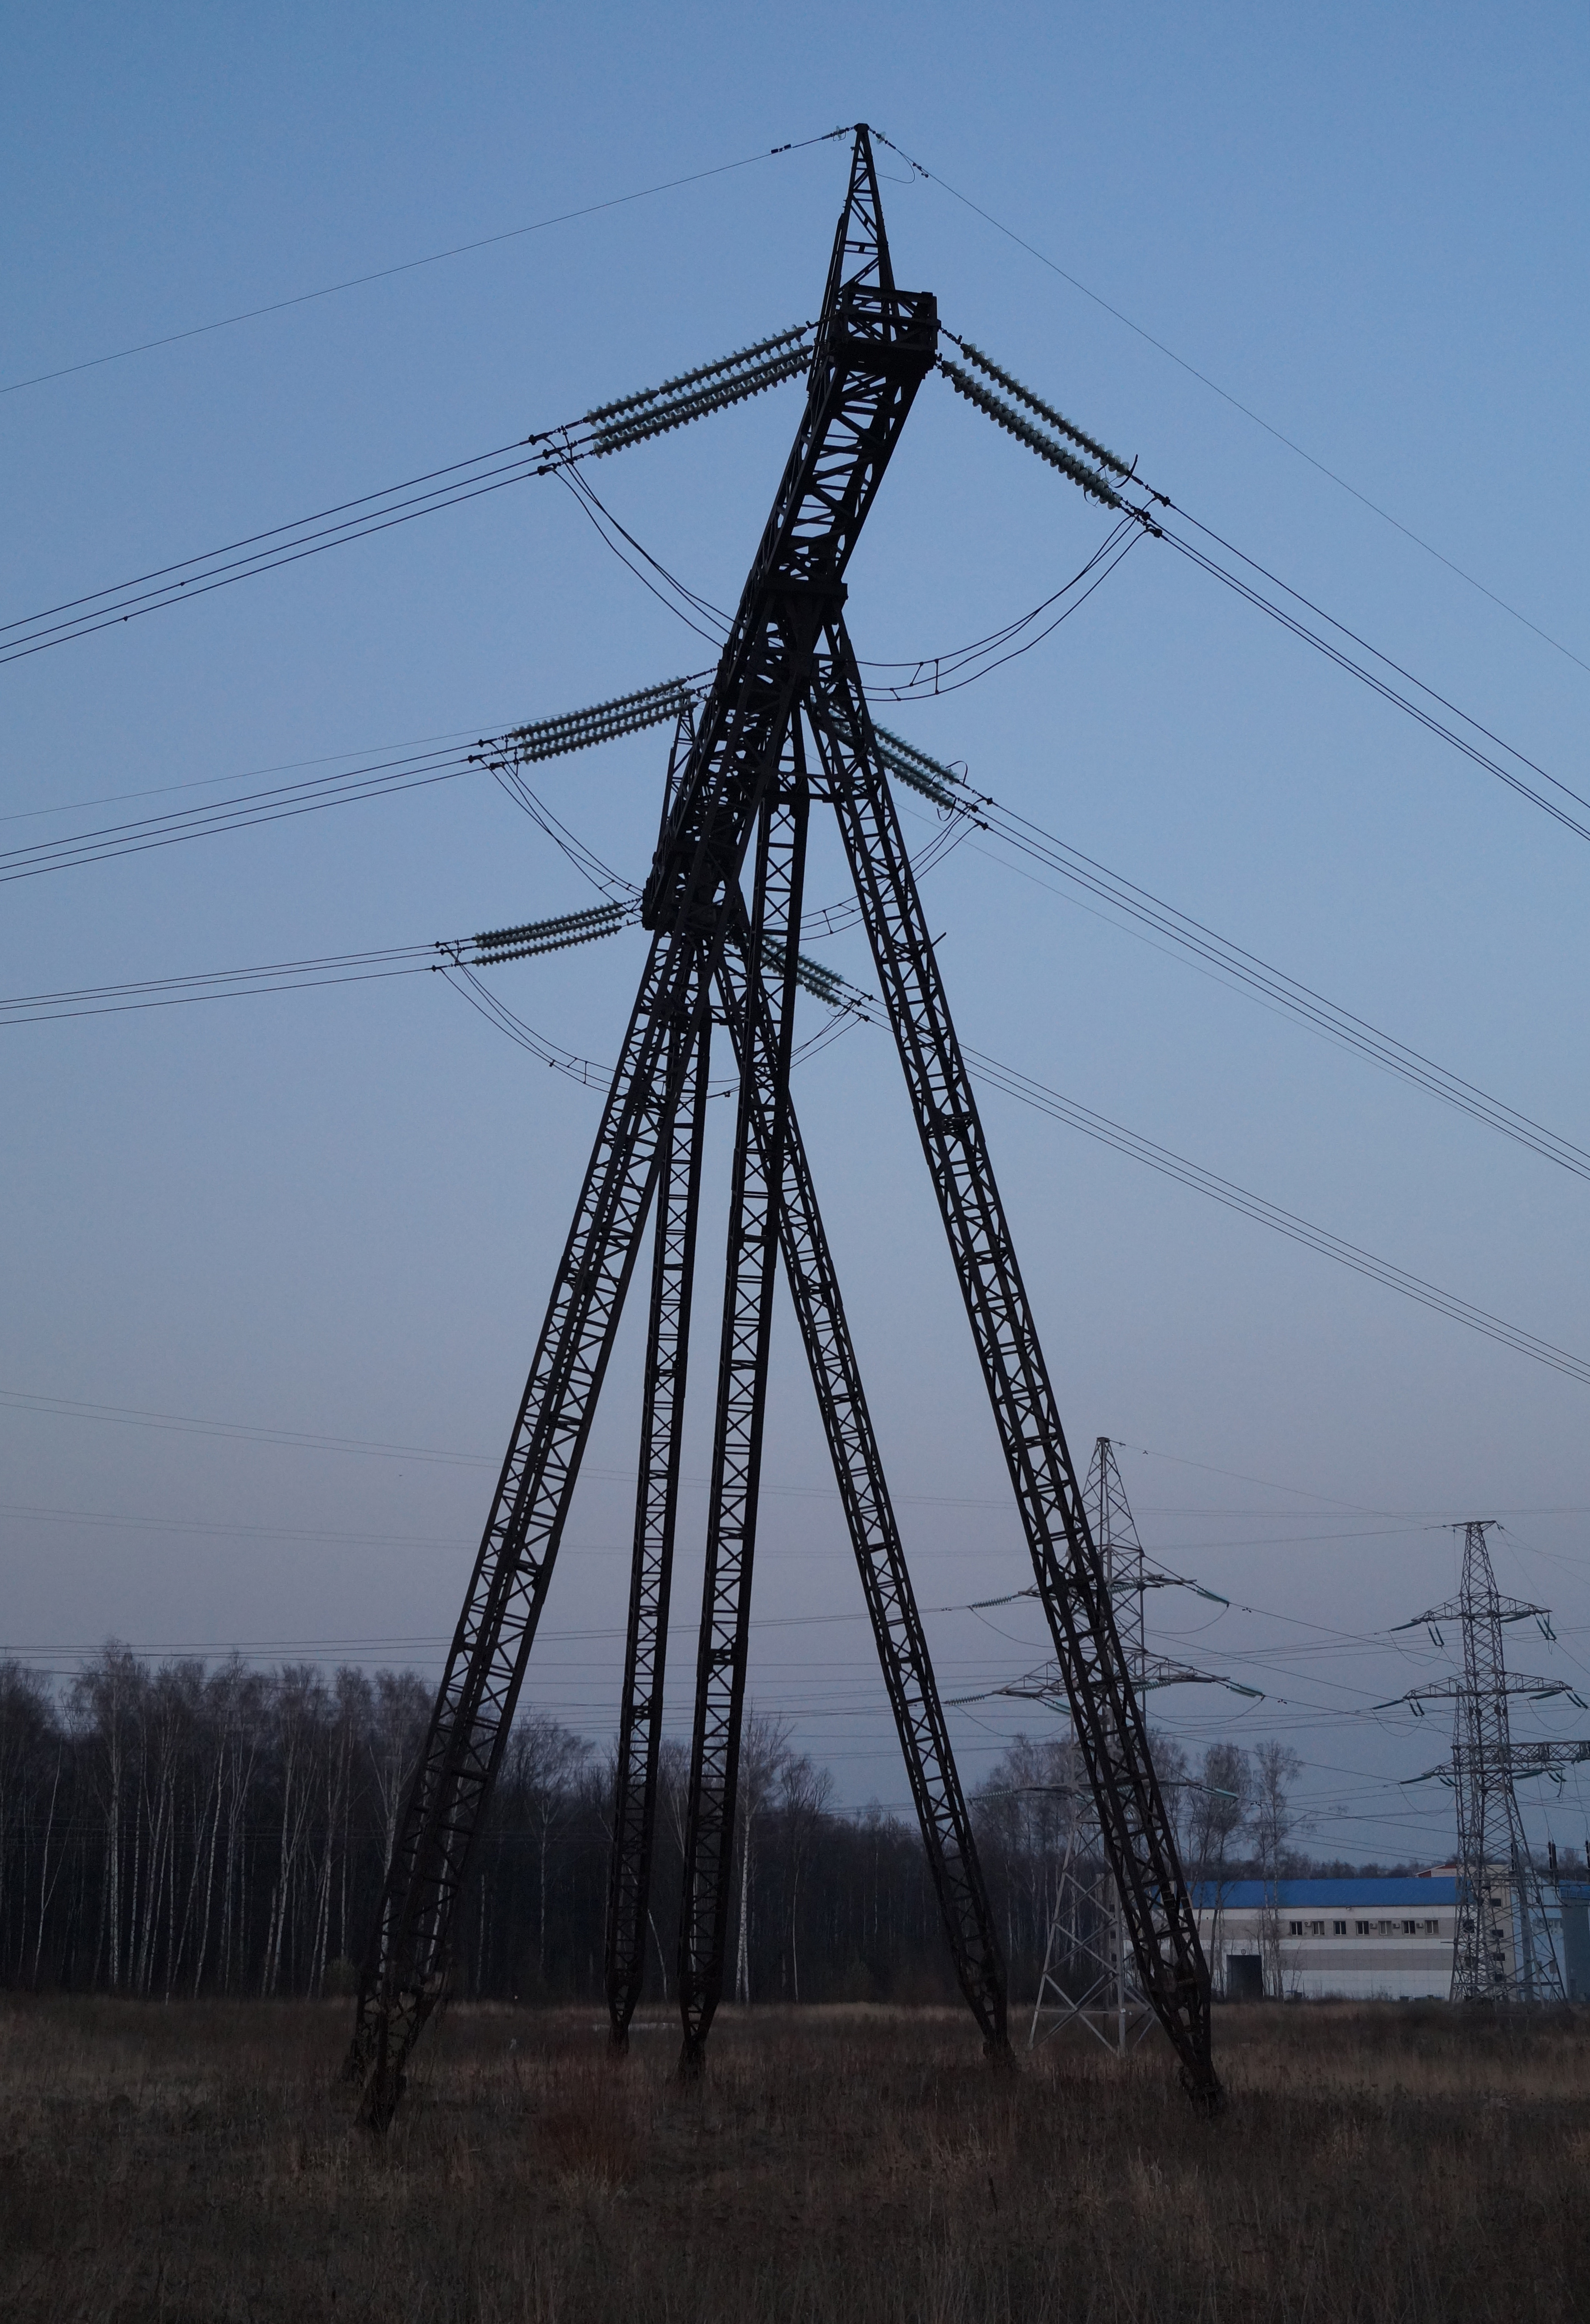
pixel 334 1214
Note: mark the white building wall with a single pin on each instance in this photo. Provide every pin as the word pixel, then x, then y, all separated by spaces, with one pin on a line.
pixel 1364 1955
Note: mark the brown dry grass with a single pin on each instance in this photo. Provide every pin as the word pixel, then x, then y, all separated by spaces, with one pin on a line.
pixel 856 2164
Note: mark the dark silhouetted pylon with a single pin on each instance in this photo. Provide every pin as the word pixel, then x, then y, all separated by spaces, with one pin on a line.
pixel 785 725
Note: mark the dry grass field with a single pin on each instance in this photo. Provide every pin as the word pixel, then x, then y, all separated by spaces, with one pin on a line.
pixel 197 2162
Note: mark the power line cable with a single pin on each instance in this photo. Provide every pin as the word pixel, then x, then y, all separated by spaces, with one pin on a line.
pixel 1031 1092
pixel 1388 692
pixel 419 959
pixel 406 771
pixel 220 984
pixel 1226 1192
pixel 950 791
pixel 605 525
pixel 1234 963
pixel 946 787
pixel 548 452
pixel 277 545
pixel 412 266
pixel 1028 1091
pixel 1247 411
pixel 218 782
pixel 931 675
pixel 591 209
pixel 1153 511
pixel 490 948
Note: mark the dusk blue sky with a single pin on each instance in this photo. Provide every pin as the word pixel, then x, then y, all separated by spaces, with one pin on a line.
pixel 335 1214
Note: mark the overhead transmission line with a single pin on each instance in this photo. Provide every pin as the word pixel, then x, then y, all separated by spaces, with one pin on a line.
pixel 609 428
pixel 648 706
pixel 1110 481
pixel 925 676
pixel 953 794
pixel 413 265
pixel 458 961
pixel 722 169
pixel 711 387
pixel 1292 445
pixel 489 949
pixel 965 808
pixel 995 1074
pixel 914 678
pixel 405 771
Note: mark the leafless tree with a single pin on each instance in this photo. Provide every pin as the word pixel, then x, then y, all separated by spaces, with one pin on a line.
pixel 1276 1769
pixel 804 1792
pixel 764 1747
pixel 1221 1804
pixel 542 1764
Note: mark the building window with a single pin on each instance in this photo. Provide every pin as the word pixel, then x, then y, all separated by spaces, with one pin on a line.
pixel 1411 1928
pixel 1364 1927
pixel 1294 1928
pixel 1338 1928
pixel 1316 1928
pixel 1432 1928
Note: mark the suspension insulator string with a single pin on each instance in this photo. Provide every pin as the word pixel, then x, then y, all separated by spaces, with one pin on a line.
pixel 935 780
pixel 703 371
pixel 497 944
pixel 1105 458
pixel 657 420
pixel 1006 417
pixel 580 730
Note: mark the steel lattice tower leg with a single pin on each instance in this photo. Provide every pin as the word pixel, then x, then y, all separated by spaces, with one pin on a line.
pixel 640 1732
pixel 858 1468
pixel 742 1400
pixel 405 1968
pixel 1138 1838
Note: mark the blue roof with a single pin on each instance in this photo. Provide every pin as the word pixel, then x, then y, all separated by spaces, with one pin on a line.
pixel 1249 1895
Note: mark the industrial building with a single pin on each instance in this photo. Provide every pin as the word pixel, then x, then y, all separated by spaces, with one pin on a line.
pixel 1361 1939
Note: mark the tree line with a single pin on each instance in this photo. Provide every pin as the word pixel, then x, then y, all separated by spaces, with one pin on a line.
pixel 176 1829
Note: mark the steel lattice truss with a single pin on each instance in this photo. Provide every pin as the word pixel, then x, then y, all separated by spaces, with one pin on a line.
pixel 1087 1936
pixel 1502 1949
pixel 785 725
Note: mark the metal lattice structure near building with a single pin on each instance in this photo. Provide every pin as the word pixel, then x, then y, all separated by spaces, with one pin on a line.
pixel 1502 1949
pixel 784 725
pixel 1088 1974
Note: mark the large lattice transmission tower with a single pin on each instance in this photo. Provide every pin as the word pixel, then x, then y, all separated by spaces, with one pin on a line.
pixel 1502 1949
pixel 785 725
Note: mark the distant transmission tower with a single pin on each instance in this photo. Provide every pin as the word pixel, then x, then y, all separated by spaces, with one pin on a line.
pixel 1087 1971
pixel 1502 1949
